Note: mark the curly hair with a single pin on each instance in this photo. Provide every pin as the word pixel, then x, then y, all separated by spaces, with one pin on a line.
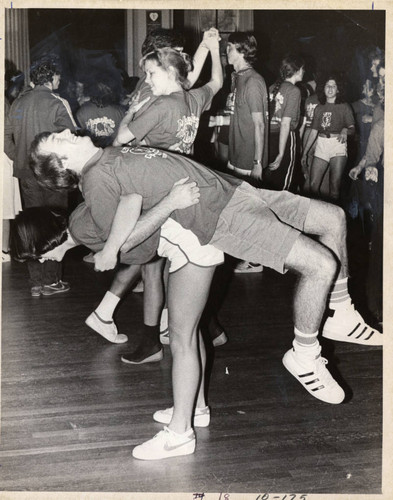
pixel 341 89
pixel 43 71
pixel 37 230
pixel 49 169
pixel 160 38
pixel 167 57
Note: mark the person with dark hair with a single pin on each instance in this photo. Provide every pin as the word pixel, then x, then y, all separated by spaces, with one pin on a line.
pixel 285 100
pixel 247 117
pixel 100 117
pixel 39 110
pixel 333 121
pixel 270 227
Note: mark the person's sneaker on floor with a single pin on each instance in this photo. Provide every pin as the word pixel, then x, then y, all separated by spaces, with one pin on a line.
pixel 35 291
pixel 139 287
pixel 309 368
pixel 89 258
pixel 166 444
pixel 346 325
pixel 219 338
pixel 106 329
pixel 5 256
pixel 143 354
pixel 164 337
pixel 248 267
pixel 59 287
pixel 201 416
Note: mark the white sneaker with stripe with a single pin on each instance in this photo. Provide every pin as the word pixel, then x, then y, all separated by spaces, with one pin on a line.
pixel 166 444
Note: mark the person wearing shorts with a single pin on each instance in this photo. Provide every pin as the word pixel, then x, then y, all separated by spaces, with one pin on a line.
pixel 333 121
pixel 273 230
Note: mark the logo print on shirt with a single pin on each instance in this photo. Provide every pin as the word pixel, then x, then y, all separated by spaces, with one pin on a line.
pixel 145 151
pixel 326 120
pixel 101 127
pixel 187 128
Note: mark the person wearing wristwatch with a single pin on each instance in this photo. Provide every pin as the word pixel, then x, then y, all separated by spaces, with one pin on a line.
pixel 248 130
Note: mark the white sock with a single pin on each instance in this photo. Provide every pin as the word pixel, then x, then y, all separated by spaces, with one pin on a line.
pixel 107 306
pixel 164 320
pixel 339 295
pixel 305 339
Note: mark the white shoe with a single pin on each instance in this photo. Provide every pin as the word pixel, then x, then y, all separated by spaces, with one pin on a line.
pixel 139 287
pixel 310 370
pixel 166 444
pixel 89 258
pixel 248 267
pixel 106 329
pixel 164 337
pixel 201 416
pixel 346 325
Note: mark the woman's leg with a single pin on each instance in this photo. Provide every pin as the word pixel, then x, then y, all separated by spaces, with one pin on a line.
pixel 153 297
pixel 336 170
pixel 317 173
pixel 188 290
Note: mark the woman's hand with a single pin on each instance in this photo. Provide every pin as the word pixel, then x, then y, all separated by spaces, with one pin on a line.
pixel 343 136
pixel 276 163
pixel 256 172
pixel 305 167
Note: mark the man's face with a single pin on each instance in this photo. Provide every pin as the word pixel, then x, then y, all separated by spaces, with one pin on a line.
pixel 66 144
pixel 232 53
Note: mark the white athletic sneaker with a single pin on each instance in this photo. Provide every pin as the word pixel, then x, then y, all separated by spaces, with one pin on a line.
pixel 201 416
pixel 164 337
pixel 106 329
pixel 248 267
pixel 310 370
pixel 346 325
pixel 166 444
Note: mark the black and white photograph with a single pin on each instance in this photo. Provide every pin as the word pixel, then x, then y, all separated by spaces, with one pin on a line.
pixel 195 220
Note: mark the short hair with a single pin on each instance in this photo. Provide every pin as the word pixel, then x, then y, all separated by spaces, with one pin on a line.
pixel 167 57
pixel 160 38
pixel 43 71
pixel 246 44
pixel 49 169
pixel 290 65
pixel 101 94
pixel 37 230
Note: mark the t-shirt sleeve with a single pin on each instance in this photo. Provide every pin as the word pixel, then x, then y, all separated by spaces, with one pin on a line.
pixel 256 95
pixel 203 98
pixel 292 103
pixel 150 119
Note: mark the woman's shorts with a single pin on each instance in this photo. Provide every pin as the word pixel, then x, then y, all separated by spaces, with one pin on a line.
pixel 180 246
pixel 260 225
pixel 329 147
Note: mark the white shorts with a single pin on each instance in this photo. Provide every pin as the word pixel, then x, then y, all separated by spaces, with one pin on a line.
pixel 329 147
pixel 180 246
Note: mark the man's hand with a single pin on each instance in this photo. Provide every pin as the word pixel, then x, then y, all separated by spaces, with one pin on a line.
pixel 371 174
pixel 183 194
pixel 355 172
pixel 276 163
pixel 105 260
pixel 343 136
pixel 256 172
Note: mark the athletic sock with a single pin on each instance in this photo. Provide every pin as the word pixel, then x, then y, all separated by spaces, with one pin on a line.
pixel 107 306
pixel 339 295
pixel 305 339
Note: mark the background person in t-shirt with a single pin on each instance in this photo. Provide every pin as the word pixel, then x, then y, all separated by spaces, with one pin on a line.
pixel 333 121
pixel 285 99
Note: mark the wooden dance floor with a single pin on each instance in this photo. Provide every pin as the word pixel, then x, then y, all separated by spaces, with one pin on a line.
pixel 72 411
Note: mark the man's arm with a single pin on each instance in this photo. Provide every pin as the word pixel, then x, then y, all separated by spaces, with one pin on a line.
pixel 216 79
pixel 284 133
pixel 129 228
pixel 259 133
